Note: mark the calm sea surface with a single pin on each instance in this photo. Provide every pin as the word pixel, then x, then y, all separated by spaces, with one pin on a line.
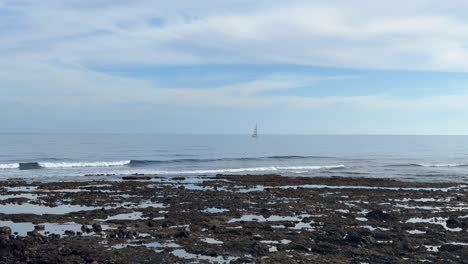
pixel 70 156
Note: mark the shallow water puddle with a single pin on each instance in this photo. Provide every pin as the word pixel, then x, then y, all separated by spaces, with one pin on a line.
pixel 148 204
pixel 318 186
pixel 273 218
pixel 156 246
pixel 302 225
pixel 416 232
pixel 435 220
pixel 215 210
pixel 96 185
pixel 371 228
pixel 128 216
pixel 282 241
pixel 436 248
pixel 258 188
pixel 194 187
pixel 21 229
pixel 432 248
pixel 423 200
pixel 181 253
pixel 27 208
pixel 29 196
pixel 212 241
pixel 21 189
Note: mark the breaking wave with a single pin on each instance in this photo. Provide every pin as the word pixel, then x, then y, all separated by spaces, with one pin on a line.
pixel 143 163
pixel 146 162
pixel 250 169
pixel 430 165
pixel 60 165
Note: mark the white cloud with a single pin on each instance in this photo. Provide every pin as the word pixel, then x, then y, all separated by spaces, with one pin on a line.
pixel 429 35
pixel 49 48
pixel 64 86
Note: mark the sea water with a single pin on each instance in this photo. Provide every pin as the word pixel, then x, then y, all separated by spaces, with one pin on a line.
pixel 71 156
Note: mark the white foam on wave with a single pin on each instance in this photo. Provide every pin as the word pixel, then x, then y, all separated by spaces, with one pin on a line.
pixel 58 165
pixel 243 170
pixel 442 165
pixel 62 165
pixel 9 166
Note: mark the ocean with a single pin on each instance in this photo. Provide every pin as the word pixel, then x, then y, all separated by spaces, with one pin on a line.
pixel 72 156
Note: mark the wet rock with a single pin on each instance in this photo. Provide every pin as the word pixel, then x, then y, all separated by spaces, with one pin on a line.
pixel 182 234
pixel 258 249
pixel 324 248
pixel 450 247
pixel 265 212
pixel 179 178
pixel 299 247
pixel 96 227
pixel 85 229
pixel 5 232
pixel 356 238
pixel 39 227
pixel 69 233
pixel 379 215
pixel 33 233
pixel 453 222
pixel 380 235
pixel 151 223
pixel 136 177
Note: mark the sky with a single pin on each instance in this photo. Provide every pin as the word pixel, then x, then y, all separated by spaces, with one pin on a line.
pixel 220 67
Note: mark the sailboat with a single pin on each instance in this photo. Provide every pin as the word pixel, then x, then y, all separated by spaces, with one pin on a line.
pixel 254 134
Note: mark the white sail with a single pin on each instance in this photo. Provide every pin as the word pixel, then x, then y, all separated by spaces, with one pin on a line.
pixel 254 134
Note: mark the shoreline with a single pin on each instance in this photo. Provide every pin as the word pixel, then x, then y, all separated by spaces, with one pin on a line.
pixel 233 219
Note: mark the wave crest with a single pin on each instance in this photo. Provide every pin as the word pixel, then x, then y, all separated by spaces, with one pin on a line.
pixel 58 165
pixel 6 166
pixel 430 165
pixel 250 169
pixel 62 165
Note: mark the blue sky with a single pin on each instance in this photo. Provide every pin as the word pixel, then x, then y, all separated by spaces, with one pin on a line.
pixel 305 67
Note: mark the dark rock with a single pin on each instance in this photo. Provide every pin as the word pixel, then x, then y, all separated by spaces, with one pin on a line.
pixel 299 247
pixel 39 227
pixel 453 222
pixel 179 178
pixel 324 248
pixel 380 215
pixel 403 244
pixel 182 234
pixel 356 238
pixel 5 232
pixel 69 233
pixel 85 229
pixel 151 223
pixel 258 249
pixel 97 227
pixel 265 212
pixel 450 247
pixel 136 177
pixel 257 237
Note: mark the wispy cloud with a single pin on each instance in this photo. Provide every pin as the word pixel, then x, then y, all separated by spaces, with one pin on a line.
pixel 427 35
pixel 50 49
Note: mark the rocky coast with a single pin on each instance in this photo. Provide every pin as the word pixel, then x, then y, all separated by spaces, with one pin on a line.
pixel 233 219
